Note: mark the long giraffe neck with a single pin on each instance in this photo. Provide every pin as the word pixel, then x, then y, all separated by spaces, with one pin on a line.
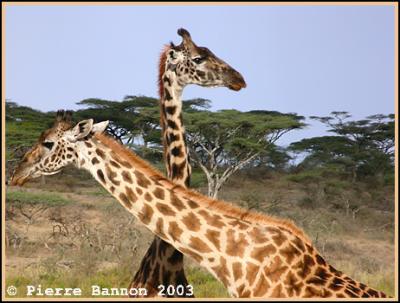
pixel 173 132
pixel 253 255
pixel 156 268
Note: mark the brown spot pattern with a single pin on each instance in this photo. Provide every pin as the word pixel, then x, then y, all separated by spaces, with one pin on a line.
pixel 320 260
pixel 336 284
pixel 159 193
pixel 311 292
pixel 322 273
pixel 257 236
pixel 146 214
pixel 213 220
pixel 127 176
pixel 165 209
pixel 275 270
pixel 299 244
pixel 199 245
pixel 148 197
pixel 289 253
pixel 293 285
pixel 141 179
pixel 101 175
pixel 277 292
pixel 176 202
pixel 131 195
pixel 174 231
pixel 235 247
pixel 279 238
pixel 239 290
pixel 239 224
pixel 260 253
pixel 125 200
pixel 100 153
pixel 262 286
pixel 237 270
pixel 160 228
pixel 111 175
pixel 251 272
pixel 193 204
pixel 221 271
pixel 115 164
pixel 213 237
pixel 305 266
pixel 192 222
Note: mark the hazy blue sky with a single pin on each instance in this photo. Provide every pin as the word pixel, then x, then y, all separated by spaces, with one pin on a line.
pixel 305 59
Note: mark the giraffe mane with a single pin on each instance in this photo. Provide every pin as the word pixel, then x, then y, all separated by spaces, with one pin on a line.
pixel 161 69
pixel 218 205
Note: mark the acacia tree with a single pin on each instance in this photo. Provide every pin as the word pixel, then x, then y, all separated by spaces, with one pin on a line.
pixel 134 121
pixel 361 147
pixel 133 117
pixel 223 142
pixel 23 127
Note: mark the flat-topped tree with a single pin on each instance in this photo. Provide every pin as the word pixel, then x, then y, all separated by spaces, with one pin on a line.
pixel 225 141
pixel 252 254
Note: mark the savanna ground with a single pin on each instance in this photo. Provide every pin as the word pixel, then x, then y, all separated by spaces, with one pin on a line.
pixel 66 231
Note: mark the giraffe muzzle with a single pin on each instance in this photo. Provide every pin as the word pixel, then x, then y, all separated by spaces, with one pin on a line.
pixel 236 81
pixel 17 181
pixel 237 87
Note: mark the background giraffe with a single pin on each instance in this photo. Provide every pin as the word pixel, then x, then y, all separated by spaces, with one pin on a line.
pixel 179 66
pixel 252 254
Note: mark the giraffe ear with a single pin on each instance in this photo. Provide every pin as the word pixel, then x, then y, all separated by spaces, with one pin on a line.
pixel 82 129
pixel 172 54
pixel 100 127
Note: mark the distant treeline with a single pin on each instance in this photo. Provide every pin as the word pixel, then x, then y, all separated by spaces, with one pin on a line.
pixel 222 142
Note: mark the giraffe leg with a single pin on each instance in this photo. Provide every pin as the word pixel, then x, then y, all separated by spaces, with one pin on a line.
pixel 161 265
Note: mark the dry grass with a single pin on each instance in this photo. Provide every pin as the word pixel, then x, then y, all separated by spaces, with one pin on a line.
pixel 82 236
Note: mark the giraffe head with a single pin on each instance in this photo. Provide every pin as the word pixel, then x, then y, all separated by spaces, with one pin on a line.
pixel 198 65
pixel 56 148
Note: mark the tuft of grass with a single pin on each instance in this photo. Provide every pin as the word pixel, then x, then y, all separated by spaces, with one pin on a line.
pixel 205 285
pixel 50 199
pixel 100 191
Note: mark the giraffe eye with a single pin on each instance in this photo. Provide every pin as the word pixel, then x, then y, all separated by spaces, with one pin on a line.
pixel 48 144
pixel 198 60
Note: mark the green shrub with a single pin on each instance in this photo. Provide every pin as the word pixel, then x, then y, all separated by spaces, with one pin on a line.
pixel 305 176
pixel 198 179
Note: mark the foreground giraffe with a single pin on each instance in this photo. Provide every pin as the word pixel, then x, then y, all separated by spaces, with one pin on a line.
pixel 252 254
pixel 179 66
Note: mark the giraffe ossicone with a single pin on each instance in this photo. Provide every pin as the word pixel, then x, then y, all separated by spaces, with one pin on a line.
pixel 252 254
